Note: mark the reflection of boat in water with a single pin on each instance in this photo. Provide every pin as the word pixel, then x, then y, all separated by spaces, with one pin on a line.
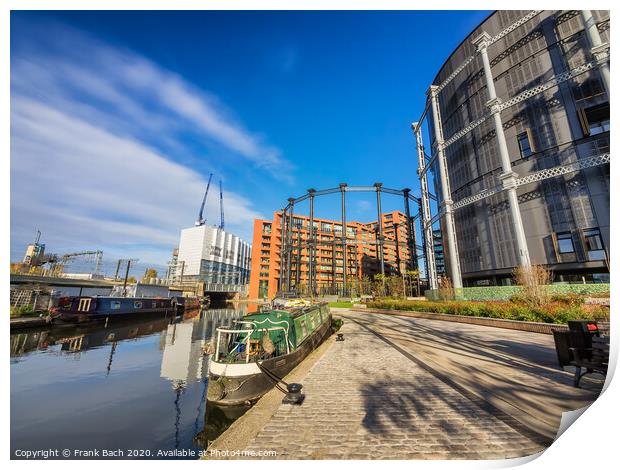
pixel 217 420
pixel 87 336
pixel 275 340
pixel 185 304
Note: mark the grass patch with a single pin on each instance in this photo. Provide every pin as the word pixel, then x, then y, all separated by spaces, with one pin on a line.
pixel 558 312
pixel 341 304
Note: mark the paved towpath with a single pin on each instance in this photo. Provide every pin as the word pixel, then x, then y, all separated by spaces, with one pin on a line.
pixel 401 387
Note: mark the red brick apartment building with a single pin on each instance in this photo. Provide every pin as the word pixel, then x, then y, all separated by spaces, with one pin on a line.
pixel 362 259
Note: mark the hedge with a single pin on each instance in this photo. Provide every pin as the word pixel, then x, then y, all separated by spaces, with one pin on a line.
pixel 506 292
pixel 554 312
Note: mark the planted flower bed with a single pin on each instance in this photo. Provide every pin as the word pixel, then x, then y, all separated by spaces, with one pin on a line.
pixel 557 311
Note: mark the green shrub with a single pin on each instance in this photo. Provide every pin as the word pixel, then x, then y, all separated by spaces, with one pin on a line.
pixel 336 324
pixel 499 293
pixel 24 310
pixel 567 308
pixel 570 299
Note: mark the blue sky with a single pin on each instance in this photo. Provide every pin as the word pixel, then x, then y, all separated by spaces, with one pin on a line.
pixel 117 118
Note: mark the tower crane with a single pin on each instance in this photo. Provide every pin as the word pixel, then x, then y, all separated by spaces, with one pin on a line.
pixel 221 207
pixel 200 221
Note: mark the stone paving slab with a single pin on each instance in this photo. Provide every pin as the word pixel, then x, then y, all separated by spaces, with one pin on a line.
pixel 366 400
pixel 512 370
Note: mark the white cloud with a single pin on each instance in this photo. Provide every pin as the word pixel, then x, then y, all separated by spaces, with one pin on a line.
pixel 125 85
pixel 84 186
pixel 98 135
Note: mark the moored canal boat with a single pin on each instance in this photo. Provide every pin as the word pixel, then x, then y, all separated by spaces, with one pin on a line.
pixel 84 308
pixel 275 339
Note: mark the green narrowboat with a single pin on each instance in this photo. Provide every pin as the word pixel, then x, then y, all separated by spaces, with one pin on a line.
pixel 278 339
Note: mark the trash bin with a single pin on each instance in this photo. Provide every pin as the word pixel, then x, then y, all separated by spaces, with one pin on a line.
pixel 562 346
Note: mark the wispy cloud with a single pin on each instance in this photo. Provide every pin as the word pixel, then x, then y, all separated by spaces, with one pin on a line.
pixel 88 187
pixel 94 131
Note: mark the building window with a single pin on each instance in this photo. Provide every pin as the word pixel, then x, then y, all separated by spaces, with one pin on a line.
pixel 594 244
pixel 595 119
pixel 565 243
pixel 525 144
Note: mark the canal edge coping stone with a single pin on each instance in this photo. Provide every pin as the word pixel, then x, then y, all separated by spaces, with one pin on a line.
pixel 241 432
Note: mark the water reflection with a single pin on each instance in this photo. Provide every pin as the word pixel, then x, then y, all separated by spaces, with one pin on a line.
pixel 139 384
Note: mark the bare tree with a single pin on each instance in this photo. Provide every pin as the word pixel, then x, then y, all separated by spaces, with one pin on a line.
pixel 445 290
pixel 533 281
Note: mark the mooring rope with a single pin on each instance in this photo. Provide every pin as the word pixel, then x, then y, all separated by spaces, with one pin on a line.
pixel 272 377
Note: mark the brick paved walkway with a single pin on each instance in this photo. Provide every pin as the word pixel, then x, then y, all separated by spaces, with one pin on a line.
pixel 365 399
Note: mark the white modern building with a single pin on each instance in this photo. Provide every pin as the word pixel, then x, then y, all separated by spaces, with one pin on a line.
pixel 213 255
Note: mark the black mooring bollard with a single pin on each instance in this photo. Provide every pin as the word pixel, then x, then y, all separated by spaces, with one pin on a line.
pixel 339 337
pixel 294 395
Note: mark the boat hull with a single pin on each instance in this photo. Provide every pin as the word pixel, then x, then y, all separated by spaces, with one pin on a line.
pixel 85 308
pixel 231 386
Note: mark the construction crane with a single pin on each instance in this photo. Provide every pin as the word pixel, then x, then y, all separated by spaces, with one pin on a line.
pixel 200 221
pixel 221 207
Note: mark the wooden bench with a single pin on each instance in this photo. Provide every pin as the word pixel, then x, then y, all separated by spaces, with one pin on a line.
pixel 594 359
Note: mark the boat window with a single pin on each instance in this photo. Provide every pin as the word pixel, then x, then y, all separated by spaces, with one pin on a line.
pixel 304 329
pixel 137 304
pixel 115 304
pixel 154 304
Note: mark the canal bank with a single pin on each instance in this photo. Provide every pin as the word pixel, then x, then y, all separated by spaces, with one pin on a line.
pixel 408 388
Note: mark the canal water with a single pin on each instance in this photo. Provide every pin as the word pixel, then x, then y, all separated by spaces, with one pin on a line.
pixel 136 385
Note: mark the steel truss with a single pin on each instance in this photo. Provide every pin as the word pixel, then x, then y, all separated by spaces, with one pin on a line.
pixel 500 35
pixel 527 94
pixel 541 175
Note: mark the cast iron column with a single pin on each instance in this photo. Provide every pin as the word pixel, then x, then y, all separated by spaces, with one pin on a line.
pixel 411 262
pixel 298 270
pixel 379 228
pixel 334 265
pixel 282 249
pixel 396 244
pixel 311 281
pixel 598 49
pixel 343 189
pixel 425 212
pixel 289 243
pixel 446 203
pixel 508 177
